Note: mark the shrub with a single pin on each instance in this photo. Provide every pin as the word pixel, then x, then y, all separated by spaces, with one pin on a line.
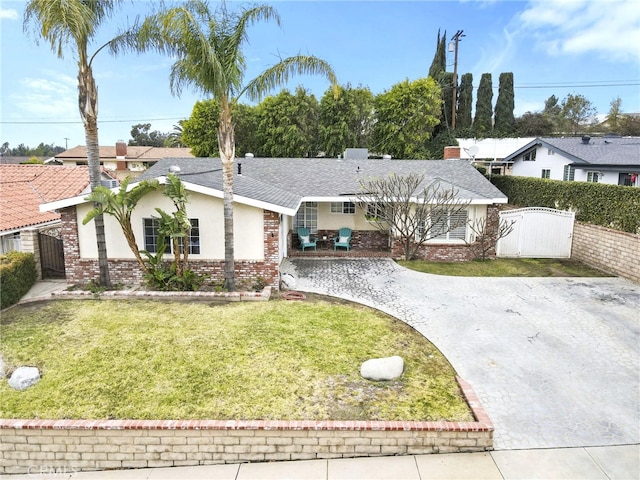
pixel 610 206
pixel 17 275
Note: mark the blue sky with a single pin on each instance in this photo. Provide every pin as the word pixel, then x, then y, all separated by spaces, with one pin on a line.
pixel 553 47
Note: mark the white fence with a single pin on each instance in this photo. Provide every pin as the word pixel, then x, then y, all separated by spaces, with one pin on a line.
pixel 537 233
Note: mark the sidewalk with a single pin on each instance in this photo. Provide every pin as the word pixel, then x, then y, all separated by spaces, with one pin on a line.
pixel 606 463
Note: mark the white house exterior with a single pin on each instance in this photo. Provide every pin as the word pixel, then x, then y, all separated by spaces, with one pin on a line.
pixel 610 160
pixel 272 198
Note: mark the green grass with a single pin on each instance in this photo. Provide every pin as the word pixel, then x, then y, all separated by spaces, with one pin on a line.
pixel 506 267
pixel 247 360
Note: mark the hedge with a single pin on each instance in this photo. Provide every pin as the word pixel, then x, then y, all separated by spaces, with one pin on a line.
pixel 610 206
pixel 17 275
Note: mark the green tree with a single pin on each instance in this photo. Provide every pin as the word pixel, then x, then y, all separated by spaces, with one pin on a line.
pixel 504 120
pixel 577 111
pixel 141 135
pixel 406 116
pixel 465 103
pixel 120 205
pixel 439 62
pixel 174 139
pixel 346 121
pixel 200 130
pixel 245 121
pixel 207 50
pixel 614 116
pixel 288 125
pixel 630 125
pixel 532 124
pixel 74 24
pixel 482 122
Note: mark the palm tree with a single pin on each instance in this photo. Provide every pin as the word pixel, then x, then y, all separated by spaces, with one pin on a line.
pixel 207 47
pixel 121 205
pixel 73 24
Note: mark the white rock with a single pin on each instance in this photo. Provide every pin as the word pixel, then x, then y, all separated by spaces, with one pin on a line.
pixel 24 377
pixel 3 367
pixel 382 368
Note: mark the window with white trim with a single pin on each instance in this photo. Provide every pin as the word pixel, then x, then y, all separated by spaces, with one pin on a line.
pixel 592 177
pixel 546 173
pixel 307 217
pixel 374 211
pixel 569 173
pixel 151 236
pixel 447 227
pixel 347 208
pixel 529 156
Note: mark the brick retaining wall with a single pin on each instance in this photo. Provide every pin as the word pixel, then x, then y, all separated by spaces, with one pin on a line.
pixel 608 250
pixel 67 446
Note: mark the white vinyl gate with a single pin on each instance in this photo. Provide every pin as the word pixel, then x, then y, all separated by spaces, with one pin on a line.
pixel 537 233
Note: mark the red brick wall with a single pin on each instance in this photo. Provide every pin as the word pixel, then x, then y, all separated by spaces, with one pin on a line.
pixel 127 271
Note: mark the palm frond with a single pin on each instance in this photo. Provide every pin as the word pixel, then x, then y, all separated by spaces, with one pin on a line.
pixel 279 74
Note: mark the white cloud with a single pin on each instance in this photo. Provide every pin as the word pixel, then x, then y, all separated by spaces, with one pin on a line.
pixel 8 13
pixel 49 98
pixel 565 27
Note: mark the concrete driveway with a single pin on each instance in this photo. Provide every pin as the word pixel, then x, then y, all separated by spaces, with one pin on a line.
pixel 554 361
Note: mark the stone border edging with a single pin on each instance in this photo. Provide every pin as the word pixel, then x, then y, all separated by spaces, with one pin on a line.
pixel 264 295
pixel 30 445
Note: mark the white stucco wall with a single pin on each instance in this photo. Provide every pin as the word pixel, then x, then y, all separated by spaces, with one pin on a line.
pixel 544 160
pixel 335 221
pixel 248 228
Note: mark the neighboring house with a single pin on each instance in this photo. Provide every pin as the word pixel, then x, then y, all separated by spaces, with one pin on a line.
pixel 272 197
pixel 491 152
pixel 611 160
pixel 23 188
pixel 123 160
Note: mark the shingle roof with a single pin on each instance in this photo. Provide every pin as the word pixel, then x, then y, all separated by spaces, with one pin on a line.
pixel 287 181
pixel 133 152
pixel 24 187
pixel 613 151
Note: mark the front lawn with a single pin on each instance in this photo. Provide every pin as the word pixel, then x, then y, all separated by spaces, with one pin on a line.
pixel 104 359
pixel 506 267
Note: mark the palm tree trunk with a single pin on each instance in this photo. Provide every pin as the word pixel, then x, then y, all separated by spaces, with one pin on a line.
pixel 226 145
pixel 88 104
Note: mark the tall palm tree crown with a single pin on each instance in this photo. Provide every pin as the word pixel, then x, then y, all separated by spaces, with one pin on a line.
pixel 207 48
pixel 73 24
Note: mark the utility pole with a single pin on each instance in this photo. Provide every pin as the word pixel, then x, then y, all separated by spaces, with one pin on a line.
pixel 66 145
pixel 454 45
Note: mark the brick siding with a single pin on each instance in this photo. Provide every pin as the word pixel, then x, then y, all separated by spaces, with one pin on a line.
pixel 127 271
pixel 611 251
pixel 67 446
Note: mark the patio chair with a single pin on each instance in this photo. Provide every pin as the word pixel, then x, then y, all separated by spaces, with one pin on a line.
pixel 343 239
pixel 305 239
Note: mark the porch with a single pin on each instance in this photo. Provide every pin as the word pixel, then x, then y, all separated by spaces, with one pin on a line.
pixel 364 244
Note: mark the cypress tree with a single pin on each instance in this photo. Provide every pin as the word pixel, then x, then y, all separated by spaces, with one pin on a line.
pixel 482 122
pixel 465 102
pixel 504 119
pixel 439 62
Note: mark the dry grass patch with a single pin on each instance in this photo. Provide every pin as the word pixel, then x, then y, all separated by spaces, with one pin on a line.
pixel 275 360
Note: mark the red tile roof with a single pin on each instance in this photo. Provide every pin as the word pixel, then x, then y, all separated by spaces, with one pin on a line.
pixel 133 153
pixel 24 187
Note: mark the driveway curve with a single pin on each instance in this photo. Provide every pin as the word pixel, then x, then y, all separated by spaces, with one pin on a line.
pixel 554 361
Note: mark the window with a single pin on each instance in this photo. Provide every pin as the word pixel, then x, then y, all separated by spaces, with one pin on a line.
pixel 592 177
pixel 374 211
pixel 625 179
pixel 447 226
pixel 10 243
pixel 529 156
pixel 348 208
pixel 151 235
pixel 546 173
pixel 569 173
pixel 307 217
pixel 550 152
